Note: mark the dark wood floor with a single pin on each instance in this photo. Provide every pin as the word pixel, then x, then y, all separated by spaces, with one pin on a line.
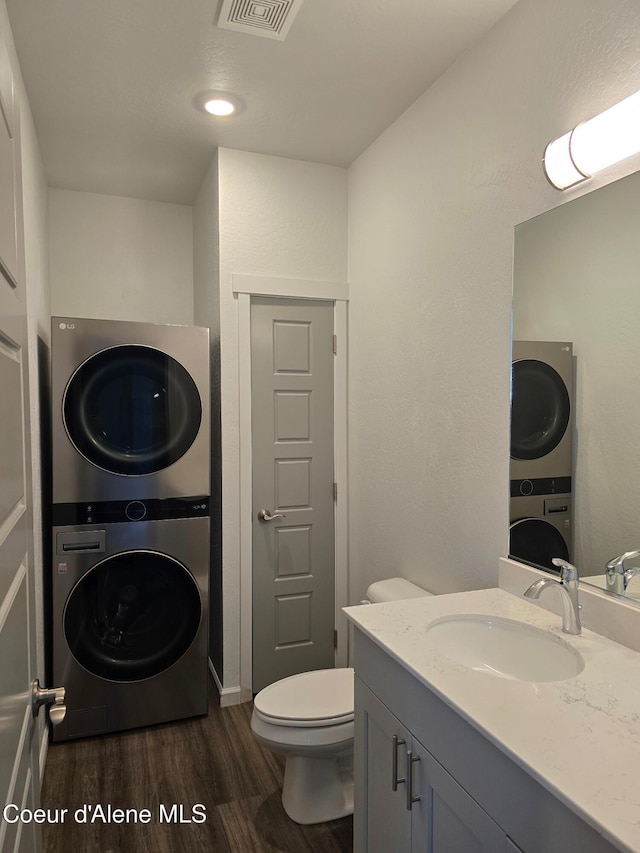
pixel 210 760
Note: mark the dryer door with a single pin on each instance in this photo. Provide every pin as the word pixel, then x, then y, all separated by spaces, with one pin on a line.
pixel 132 616
pixel 540 409
pixel 132 410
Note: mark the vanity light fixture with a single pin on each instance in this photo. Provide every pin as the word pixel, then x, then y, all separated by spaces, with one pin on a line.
pixel 219 103
pixel 595 144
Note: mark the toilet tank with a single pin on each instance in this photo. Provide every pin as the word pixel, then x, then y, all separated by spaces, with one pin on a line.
pixel 394 589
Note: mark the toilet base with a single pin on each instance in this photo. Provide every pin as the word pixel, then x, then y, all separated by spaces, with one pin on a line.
pixel 317 790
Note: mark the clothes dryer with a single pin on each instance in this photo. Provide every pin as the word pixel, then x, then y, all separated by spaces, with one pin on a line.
pixel 542 415
pixel 129 638
pixel 130 410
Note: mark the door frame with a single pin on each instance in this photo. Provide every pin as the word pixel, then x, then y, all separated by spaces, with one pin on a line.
pixel 244 287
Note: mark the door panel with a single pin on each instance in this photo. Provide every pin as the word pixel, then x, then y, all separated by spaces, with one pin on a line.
pixel 8 210
pixel 12 548
pixel 382 822
pixel 18 748
pixel 14 653
pixel 19 773
pixel 11 463
pixel 292 448
pixel 447 814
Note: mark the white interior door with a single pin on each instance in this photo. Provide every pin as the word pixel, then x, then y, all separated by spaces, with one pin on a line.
pixel 19 775
pixel 293 577
pixel 19 747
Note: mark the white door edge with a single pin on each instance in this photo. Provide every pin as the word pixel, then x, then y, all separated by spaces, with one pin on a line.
pixel 294 288
pixel 246 286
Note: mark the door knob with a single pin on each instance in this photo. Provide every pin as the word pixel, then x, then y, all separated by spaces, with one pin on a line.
pixel 264 515
pixel 54 697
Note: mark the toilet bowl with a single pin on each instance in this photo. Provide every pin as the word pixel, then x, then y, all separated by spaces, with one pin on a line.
pixel 309 718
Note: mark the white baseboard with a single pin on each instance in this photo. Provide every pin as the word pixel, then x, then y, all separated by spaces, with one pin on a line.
pixel 229 695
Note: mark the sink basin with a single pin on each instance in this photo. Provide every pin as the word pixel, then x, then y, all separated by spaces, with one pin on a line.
pixel 504 648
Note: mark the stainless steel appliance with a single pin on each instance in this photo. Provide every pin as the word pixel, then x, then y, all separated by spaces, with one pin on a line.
pixel 129 603
pixel 130 406
pixel 541 410
pixel 541 464
pixel 540 529
pixel 130 522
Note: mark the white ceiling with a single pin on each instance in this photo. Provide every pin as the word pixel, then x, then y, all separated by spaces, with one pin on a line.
pixel 112 83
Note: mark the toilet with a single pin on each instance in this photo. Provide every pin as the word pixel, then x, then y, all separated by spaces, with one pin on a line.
pixel 309 718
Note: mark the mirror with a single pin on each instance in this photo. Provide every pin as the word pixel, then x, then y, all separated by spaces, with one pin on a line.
pixel 577 282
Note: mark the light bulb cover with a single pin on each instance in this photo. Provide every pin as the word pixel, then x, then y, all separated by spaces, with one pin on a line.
pixel 219 104
pixel 608 138
pixel 593 145
pixel 219 107
pixel 559 167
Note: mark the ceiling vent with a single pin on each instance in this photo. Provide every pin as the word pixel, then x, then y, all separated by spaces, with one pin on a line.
pixel 271 19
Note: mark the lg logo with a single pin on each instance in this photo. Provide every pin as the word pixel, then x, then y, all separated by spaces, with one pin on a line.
pixel 64 326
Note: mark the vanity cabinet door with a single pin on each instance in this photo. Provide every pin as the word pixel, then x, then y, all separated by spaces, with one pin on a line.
pixel 392 767
pixel 446 818
pixel 382 822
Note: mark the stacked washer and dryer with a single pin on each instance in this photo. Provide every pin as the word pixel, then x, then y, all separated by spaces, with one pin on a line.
pixel 541 452
pixel 130 543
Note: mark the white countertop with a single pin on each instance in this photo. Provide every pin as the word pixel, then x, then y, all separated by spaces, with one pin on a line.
pixel 579 738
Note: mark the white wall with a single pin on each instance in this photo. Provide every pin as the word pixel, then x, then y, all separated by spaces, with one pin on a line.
pixel 432 206
pixel 120 258
pixel 278 217
pixel 206 312
pixel 206 289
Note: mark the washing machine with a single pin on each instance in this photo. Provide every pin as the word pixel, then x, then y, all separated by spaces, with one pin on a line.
pixel 130 612
pixel 130 411
pixel 541 464
pixel 540 529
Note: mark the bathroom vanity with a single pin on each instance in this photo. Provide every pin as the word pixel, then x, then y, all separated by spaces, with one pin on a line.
pixel 452 759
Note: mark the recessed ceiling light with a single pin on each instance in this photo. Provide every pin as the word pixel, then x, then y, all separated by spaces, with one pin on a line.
pixel 219 107
pixel 219 103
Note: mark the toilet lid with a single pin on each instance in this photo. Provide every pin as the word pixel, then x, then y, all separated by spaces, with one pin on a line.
pixel 323 697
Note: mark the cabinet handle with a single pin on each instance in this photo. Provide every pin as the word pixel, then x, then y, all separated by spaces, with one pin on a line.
pixel 394 763
pixel 411 760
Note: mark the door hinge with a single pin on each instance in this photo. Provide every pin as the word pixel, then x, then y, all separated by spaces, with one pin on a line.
pixel 335 491
pixel 335 344
pixel 335 639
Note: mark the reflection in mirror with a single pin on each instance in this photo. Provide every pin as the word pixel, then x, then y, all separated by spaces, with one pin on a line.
pixel 541 452
pixel 577 279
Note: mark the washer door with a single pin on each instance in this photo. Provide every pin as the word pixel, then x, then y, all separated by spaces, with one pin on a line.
pixel 535 541
pixel 132 616
pixel 132 410
pixel 540 409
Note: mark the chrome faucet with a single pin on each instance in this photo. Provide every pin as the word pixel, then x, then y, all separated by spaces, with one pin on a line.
pixel 567 587
pixel 618 576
